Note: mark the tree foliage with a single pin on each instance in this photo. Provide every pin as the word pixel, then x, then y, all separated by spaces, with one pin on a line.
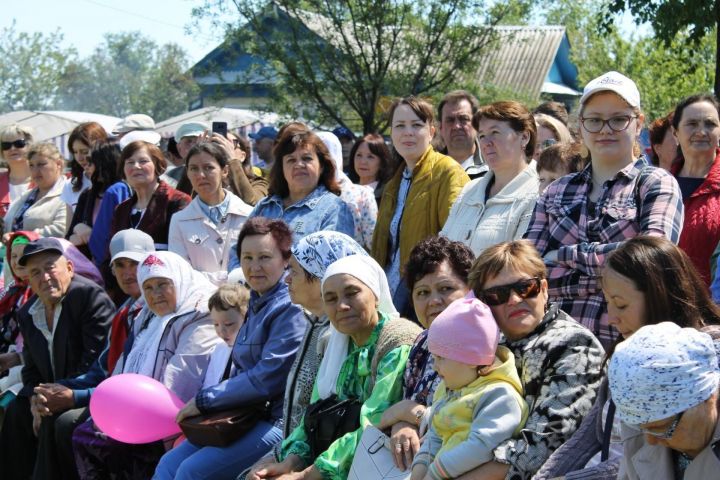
pixel 359 53
pixel 129 73
pixel 32 69
pixel 688 20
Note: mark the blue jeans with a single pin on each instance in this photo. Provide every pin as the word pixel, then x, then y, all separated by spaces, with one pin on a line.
pixel 190 462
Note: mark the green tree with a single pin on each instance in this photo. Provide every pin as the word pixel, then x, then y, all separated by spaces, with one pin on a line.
pixel 32 69
pixel 688 20
pixel 340 61
pixel 129 73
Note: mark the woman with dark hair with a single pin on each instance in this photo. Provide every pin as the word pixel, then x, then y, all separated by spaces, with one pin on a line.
pixel 417 200
pixel 436 275
pixel 204 233
pixel 696 124
pixel 81 142
pixel 264 351
pixel 582 217
pixel 153 202
pixel 303 189
pixel 646 281
pixel 663 143
pixel 371 163
pixel 90 226
pixel 558 360
pixel 15 142
pixel 497 207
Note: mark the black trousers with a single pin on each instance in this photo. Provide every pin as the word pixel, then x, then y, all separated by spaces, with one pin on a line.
pixel 48 456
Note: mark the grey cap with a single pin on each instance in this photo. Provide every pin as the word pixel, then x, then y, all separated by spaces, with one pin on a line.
pixel 131 243
pixel 136 121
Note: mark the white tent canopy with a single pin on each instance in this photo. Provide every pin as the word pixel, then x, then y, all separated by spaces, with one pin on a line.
pixel 55 126
pixel 51 124
pixel 234 117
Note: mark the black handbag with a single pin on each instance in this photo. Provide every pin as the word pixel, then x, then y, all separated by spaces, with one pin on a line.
pixel 329 419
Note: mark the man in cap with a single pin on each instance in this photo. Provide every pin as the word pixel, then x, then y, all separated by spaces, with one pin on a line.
pixel 64 327
pixel 186 137
pixel 65 403
pixel 347 140
pixel 264 140
pixel 664 382
pixel 134 122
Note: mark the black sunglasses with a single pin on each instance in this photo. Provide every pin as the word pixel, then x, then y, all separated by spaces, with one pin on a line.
pixel 494 296
pixel 17 144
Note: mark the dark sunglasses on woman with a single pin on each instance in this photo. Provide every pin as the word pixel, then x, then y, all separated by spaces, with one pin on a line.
pixel 528 288
pixel 17 144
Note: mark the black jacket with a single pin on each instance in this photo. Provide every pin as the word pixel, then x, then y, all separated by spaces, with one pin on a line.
pixel 81 333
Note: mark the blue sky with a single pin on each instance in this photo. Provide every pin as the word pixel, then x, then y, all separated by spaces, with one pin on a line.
pixel 84 22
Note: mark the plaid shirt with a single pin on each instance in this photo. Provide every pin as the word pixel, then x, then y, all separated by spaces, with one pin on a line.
pixel 639 200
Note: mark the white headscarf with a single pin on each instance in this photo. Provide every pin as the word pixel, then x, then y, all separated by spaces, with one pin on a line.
pixel 192 291
pixel 369 272
pixel 335 148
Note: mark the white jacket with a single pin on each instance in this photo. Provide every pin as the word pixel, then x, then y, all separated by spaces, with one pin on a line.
pixel 480 224
pixel 205 245
pixel 47 216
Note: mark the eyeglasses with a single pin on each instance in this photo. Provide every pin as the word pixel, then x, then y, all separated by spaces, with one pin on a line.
pixel 616 124
pixel 494 296
pixel 17 144
pixel 668 433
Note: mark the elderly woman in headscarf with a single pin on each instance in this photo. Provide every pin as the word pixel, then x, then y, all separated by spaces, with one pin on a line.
pixel 171 341
pixel 363 365
pixel 664 381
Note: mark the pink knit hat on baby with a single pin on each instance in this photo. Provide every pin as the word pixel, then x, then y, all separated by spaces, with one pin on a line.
pixel 465 332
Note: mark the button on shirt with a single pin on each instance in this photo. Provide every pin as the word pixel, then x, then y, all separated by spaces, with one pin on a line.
pixel 37 312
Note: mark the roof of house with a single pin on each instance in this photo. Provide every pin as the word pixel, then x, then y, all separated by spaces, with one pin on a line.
pixel 524 58
pixel 528 59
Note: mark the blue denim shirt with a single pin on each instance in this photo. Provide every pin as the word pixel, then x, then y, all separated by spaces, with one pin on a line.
pixel 321 210
pixel 263 353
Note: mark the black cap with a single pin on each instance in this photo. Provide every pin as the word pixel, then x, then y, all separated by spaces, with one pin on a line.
pixel 39 246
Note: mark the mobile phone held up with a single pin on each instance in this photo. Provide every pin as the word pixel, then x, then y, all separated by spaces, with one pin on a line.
pixel 220 128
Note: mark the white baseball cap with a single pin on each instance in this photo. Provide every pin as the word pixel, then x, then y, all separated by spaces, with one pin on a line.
pixel 145 135
pixel 613 82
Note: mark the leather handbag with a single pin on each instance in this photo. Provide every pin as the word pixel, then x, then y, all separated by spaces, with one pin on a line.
pixel 222 428
pixel 373 459
pixel 329 419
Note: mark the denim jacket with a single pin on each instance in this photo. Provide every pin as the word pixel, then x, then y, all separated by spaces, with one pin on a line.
pixel 321 210
pixel 263 353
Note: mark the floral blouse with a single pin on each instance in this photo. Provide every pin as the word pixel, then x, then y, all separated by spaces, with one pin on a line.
pixel 420 380
pixel 364 209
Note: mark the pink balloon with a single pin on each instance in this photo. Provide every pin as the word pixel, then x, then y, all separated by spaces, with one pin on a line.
pixel 133 408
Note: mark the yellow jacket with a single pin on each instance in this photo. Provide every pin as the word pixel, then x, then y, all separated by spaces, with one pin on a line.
pixel 436 181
